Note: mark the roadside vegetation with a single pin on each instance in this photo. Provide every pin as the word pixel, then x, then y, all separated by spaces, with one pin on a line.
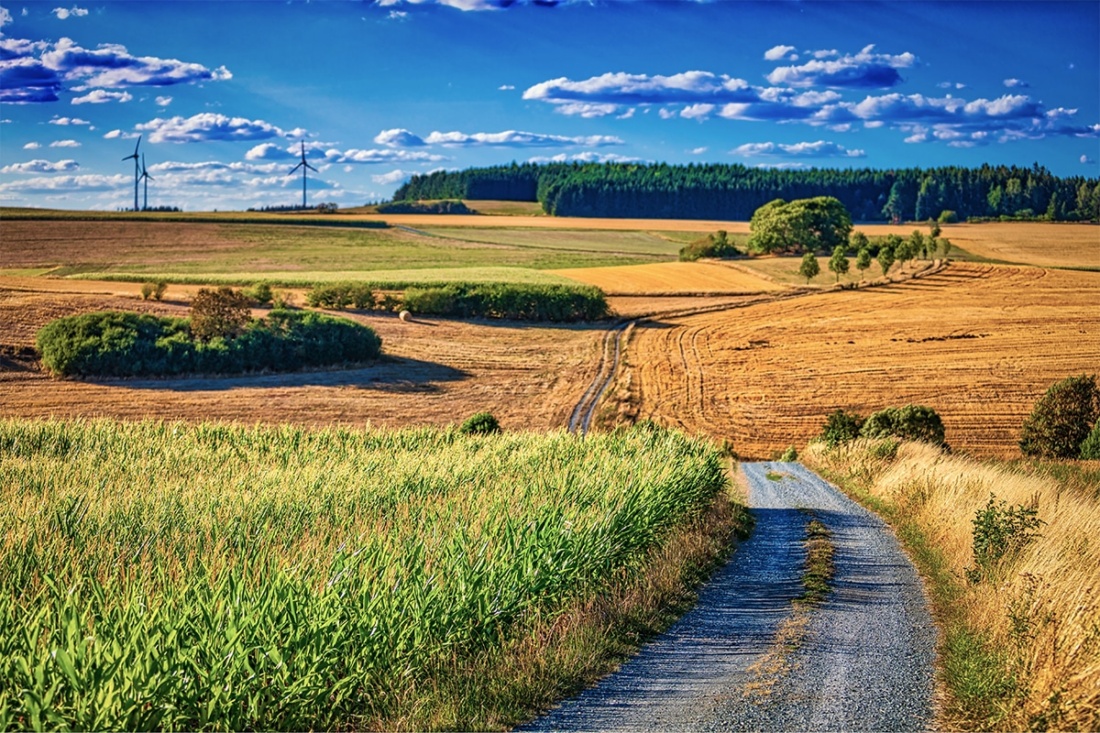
pixel 173 576
pixel 1009 555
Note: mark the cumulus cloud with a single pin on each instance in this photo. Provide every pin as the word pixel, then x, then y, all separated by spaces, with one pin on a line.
pixel 865 69
pixel 818 149
pixel 67 184
pixel 99 96
pixel 5 16
pixel 697 151
pixel 68 121
pixel 207 126
pixel 1086 160
pixel 120 135
pixel 517 139
pixel 36 71
pixel 609 93
pixel 1016 84
pixel 505 88
pixel 32 146
pixel 389 155
pixel 697 111
pixel 163 101
pixel 64 144
pixel 395 176
pixel 951 85
pixel 41 166
pixel 585 157
pixel 779 53
pixel 399 138
pixel 73 12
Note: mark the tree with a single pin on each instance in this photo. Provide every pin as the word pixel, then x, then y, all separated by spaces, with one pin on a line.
pixel 809 268
pixel 1062 419
pixel 917 244
pixel 838 263
pixel 841 427
pixel 863 261
pixel 858 240
pixel 885 257
pixel 800 225
pixel 912 422
pixel 223 312
pixel 903 253
pixel 946 247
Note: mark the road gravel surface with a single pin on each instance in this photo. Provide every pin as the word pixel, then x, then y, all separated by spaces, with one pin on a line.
pixel 748 658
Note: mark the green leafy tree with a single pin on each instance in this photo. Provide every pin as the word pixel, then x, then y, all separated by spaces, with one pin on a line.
pixel 912 422
pixel 946 247
pixel 1090 447
pixel 841 427
pixel 863 261
pixel 481 423
pixel 772 228
pixel 809 268
pixel 219 313
pixel 1062 419
pixel 858 240
pixel 800 225
pixel 838 263
pixel 917 244
pixel 885 257
pixel 902 253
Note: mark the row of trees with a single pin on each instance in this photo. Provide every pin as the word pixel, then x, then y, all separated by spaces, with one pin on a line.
pixel 734 192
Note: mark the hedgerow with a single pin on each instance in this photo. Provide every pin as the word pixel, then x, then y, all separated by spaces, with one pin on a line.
pixel 559 303
pixel 121 344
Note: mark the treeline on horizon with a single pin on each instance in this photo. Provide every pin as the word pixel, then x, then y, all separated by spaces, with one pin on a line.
pixel 734 192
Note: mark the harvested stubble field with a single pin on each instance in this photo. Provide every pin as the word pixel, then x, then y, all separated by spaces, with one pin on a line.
pixel 671 278
pixel 978 343
pixel 436 372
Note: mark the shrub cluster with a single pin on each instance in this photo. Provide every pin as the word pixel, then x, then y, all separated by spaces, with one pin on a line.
pixel 715 246
pixel 340 296
pixel 481 423
pixel 121 344
pixel 424 207
pixel 524 302
pixel 1060 424
pixel 912 422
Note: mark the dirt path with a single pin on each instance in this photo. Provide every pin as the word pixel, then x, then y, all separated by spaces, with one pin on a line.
pixel 745 659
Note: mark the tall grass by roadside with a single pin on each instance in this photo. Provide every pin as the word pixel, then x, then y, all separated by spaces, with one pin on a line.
pixel 176 576
pixel 1021 646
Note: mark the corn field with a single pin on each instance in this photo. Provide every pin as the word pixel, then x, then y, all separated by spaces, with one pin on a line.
pixel 173 576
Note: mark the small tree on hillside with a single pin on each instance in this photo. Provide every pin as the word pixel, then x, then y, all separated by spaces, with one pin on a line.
pixel 918 245
pixel 902 253
pixel 838 263
pixel 223 312
pixel 1062 419
pixel 809 268
pixel 885 257
pixel 863 261
pixel 858 240
pixel 841 427
pixel 912 422
pixel 946 247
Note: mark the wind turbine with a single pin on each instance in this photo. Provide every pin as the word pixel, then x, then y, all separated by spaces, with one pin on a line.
pixel 145 177
pixel 303 165
pixel 135 157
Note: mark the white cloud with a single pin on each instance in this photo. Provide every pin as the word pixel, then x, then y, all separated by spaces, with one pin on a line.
pixel 64 144
pixel 163 101
pixel 612 91
pixel 1016 84
pixel 73 12
pixel 69 184
pixel 697 111
pixel 818 149
pixel 69 121
pixel 517 139
pixel 371 157
pixel 5 16
pixel 207 126
pixel 778 53
pixel 588 111
pixel 397 15
pixel 697 151
pixel 398 138
pixel 99 96
pixel 505 87
pixel 120 135
pixel 585 157
pixel 41 166
pixel 32 146
pixel 395 176
pixel 1086 160
pixel 864 69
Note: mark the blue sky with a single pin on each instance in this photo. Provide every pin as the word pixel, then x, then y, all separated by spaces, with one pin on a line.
pixel 225 93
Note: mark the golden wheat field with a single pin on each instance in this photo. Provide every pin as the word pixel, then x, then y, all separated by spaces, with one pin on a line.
pixel 978 343
pixel 671 278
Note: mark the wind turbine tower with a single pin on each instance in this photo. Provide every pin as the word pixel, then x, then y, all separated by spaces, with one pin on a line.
pixel 303 165
pixel 145 177
pixel 136 171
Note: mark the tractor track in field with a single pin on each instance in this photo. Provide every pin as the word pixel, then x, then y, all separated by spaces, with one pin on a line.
pixel 748 658
pixel 614 341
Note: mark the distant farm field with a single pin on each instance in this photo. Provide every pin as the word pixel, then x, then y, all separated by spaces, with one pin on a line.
pixel 671 278
pixel 979 344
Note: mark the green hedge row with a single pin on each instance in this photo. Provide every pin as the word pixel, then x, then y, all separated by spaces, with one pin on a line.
pixel 559 303
pixel 120 344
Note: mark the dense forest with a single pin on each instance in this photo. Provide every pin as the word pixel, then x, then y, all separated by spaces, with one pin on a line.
pixel 734 192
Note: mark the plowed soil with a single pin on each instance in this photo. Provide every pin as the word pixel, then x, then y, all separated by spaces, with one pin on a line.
pixel 978 343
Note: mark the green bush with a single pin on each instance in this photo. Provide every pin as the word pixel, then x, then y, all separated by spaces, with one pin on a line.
pixel 482 423
pixel 1000 531
pixel 1062 419
pixel 339 296
pixel 556 303
pixel 129 344
pixel 841 427
pixel 947 216
pixel 912 422
pixel 715 246
pixel 221 313
pixel 445 206
pixel 789 455
pixel 1090 448
pixel 260 293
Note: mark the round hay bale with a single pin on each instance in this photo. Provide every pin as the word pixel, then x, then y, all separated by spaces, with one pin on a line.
pixel 405 316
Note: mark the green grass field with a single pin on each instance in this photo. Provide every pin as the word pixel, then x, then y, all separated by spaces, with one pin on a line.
pixel 175 576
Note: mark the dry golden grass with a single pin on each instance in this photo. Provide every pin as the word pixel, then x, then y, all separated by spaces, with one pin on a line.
pixel 1044 244
pixel 671 278
pixel 1044 612
pixel 437 372
pixel 978 343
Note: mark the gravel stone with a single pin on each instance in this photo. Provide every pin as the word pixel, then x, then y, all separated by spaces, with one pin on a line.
pixel 863 661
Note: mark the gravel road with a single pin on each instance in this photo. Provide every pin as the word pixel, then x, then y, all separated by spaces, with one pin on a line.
pixel 862 660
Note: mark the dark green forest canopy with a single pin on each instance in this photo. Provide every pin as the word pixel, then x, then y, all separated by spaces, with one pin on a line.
pixel 734 192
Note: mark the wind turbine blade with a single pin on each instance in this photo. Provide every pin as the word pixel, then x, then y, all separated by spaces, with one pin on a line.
pixel 311 167
pixel 296 168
